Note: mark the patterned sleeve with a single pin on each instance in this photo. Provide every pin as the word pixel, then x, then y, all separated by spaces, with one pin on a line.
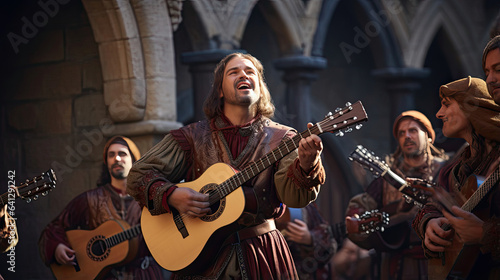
pixel 324 245
pixel 75 214
pixel 155 173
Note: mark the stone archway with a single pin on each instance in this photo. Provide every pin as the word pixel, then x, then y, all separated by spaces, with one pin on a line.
pixel 138 63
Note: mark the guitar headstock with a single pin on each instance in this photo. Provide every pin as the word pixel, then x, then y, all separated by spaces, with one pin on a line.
pixel 39 185
pixel 368 222
pixel 368 160
pixel 341 121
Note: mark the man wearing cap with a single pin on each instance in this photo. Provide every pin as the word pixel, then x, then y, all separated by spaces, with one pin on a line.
pixel 491 67
pixel 468 112
pixel 415 157
pixel 89 210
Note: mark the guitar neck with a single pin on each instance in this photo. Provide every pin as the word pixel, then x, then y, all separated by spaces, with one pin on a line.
pixel 4 198
pixel 394 179
pixel 260 165
pixel 481 192
pixel 123 236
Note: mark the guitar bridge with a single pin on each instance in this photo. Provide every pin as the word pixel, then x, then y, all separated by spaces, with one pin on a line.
pixel 180 224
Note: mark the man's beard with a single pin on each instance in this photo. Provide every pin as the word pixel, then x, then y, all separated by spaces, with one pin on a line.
pixel 120 175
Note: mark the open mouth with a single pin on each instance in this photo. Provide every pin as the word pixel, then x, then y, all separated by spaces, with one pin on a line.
pixel 244 85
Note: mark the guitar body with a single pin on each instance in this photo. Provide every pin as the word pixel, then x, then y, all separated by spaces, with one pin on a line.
pixel 176 252
pixel 458 262
pixel 93 262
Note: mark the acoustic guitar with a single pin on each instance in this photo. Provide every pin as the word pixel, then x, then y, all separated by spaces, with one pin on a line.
pixel 29 190
pixel 111 244
pixel 183 243
pixel 458 259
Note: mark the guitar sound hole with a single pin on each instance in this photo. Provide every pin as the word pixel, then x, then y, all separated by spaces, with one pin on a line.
pixel 218 204
pixel 97 250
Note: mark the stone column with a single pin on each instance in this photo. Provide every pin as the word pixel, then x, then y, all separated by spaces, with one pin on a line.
pixel 401 83
pixel 299 75
pixel 202 65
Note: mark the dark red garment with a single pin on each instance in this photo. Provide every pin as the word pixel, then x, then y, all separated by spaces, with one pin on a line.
pixel 79 215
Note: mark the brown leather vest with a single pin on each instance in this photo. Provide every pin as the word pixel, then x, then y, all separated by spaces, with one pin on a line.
pixel 210 147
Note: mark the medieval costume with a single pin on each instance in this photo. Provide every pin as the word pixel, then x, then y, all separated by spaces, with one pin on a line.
pixel 256 250
pixel 484 115
pixel 399 254
pixel 90 210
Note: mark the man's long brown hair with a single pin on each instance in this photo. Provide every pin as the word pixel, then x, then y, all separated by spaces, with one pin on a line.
pixel 214 104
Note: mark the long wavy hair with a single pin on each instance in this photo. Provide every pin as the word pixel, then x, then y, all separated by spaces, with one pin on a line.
pixel 214 104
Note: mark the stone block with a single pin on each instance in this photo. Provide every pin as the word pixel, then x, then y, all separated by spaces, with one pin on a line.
pixel 121 59
pixel 89 110
pixel 48 46
pixel 23 116
pixel 54 117
pixel 80 43
pixel 49 81
pixel 152 18
pixel 161 101
pixel 114 23
pixel 92 75
pixel 42 152
pixel 159 57
pixel 126 99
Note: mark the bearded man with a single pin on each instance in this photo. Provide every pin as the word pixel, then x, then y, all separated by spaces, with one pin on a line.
pixel 398 248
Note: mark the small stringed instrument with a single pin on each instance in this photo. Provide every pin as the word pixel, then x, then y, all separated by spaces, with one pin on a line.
pixel 97 251
pixel 31 189
pixel 183 243
pixel 458 259
pixel 368 222
pixel 416 191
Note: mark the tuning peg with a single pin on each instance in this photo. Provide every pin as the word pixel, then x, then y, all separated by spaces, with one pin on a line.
pixel 348 104
pixel 349 129
pixel 329 115
pixel 340 133
pixel 28 200
pixel 338 109
pixel 35 197
pixel 359 126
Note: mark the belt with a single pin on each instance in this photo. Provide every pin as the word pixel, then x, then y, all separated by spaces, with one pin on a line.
pixel 257 230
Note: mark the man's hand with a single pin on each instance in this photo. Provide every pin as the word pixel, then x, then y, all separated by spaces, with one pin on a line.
pixel 189 201
pixel 64 255
pixel 309 151
pixel 298 232
pixel 436 239
pixel 467 226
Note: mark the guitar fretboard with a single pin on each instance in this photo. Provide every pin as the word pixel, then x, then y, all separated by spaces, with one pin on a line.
pixel 123 236
pixel 481 192
pixel 260 165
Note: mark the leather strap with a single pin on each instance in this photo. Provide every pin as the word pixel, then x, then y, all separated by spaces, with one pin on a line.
pixel 257 230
